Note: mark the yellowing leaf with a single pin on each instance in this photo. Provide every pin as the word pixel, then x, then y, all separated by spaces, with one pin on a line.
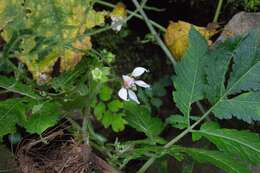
pixel 73 56
pixel 177 33
pixel 119 10
pixel 95 18
pixel 55 26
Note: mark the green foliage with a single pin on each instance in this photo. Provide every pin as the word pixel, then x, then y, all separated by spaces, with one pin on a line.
pixel 152 96
pixel 205 74
pixel 12 85
pixel 210 83
pixel 34 116
pixel 220 159
pixel 245 107
pixel 44 115
pixel 189 81
pixel 242 144
pixel 139 117
pixel 109 111
pixel 179 121
pixel 105 93
pixel 12 111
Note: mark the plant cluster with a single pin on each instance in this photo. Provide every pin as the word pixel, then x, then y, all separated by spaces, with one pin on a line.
pixel 50 71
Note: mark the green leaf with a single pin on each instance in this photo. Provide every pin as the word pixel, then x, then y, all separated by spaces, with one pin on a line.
pixel 222 160
pixel 244 77
pixel 243 144
pixel 139 117
pixel 12 85
pixel 118 123
pixel 105 93
pixel 189 80
pixel 115 105
pixel 245 107
pixel 216 67
pixel 11 112
pixel 156 102
pixel 44 118
pixel 179 121
pixel 107 119
pixel 99 110
pixel 115 120
pixel 245 74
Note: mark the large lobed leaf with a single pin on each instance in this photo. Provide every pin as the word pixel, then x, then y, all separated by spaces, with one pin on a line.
pixel 189 80
pixel 245 74
pixel 245 77
pixel 44 115
pixel 57 31
pixel 35 116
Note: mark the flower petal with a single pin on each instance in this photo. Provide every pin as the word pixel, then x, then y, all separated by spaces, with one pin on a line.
pixel 126 78
pixel 122 93
pixel 132 96
pixel 138 71
pixel 128 81
pixel 142 84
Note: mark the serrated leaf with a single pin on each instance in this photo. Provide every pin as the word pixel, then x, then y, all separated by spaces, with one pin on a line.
pixel 44 118
pixel 244 77
pixel 222 160
pixel 216 67
pixel 12 85
pixel 245 107
pixel 189 80
pixel 243 144
pixel 139 117
pixel 245 74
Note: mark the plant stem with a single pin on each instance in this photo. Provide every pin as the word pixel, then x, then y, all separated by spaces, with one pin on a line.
pixel 160 27
pixel 171 58
pixel 176 139
pixel 218 10
pixel 158 39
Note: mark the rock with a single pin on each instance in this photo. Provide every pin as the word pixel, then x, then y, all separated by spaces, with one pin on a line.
pixel 240 23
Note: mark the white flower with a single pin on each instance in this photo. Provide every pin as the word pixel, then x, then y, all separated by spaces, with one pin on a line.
pixel 130 83
pixel 117 23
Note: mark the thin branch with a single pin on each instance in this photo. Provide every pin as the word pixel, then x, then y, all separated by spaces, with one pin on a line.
pixel 218 10
pixel 153 31
pixel 160 27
